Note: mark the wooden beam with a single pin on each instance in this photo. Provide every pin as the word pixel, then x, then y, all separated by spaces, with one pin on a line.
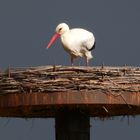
pixel 72 125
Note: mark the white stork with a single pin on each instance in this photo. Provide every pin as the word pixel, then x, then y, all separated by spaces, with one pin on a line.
pixel 77 42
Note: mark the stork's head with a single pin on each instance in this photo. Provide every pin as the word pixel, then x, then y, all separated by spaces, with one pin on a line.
pixel 60 29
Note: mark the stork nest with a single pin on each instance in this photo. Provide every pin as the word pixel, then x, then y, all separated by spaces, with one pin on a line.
pixel 63 78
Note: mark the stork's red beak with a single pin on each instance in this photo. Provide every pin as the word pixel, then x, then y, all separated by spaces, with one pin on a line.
pixel 55 36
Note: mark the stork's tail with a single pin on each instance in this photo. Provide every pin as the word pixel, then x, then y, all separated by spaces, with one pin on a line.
pixel 89 55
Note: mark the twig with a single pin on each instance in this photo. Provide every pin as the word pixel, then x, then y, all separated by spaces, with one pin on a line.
pixel 105 109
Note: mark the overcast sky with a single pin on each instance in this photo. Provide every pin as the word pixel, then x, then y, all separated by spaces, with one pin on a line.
pixel 25 29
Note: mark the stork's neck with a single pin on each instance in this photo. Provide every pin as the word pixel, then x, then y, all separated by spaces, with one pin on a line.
pixel 65 34
pixel 65 37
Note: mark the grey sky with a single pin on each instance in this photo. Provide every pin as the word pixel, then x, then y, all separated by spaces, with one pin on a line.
pixel 26 27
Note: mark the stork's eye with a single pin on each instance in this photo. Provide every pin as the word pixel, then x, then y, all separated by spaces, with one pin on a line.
pixel 60 29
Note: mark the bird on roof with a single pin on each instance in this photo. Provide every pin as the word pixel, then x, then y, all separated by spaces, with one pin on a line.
pixel 77 42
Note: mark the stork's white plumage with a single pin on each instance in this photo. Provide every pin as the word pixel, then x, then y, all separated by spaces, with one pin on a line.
pixel 77 42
